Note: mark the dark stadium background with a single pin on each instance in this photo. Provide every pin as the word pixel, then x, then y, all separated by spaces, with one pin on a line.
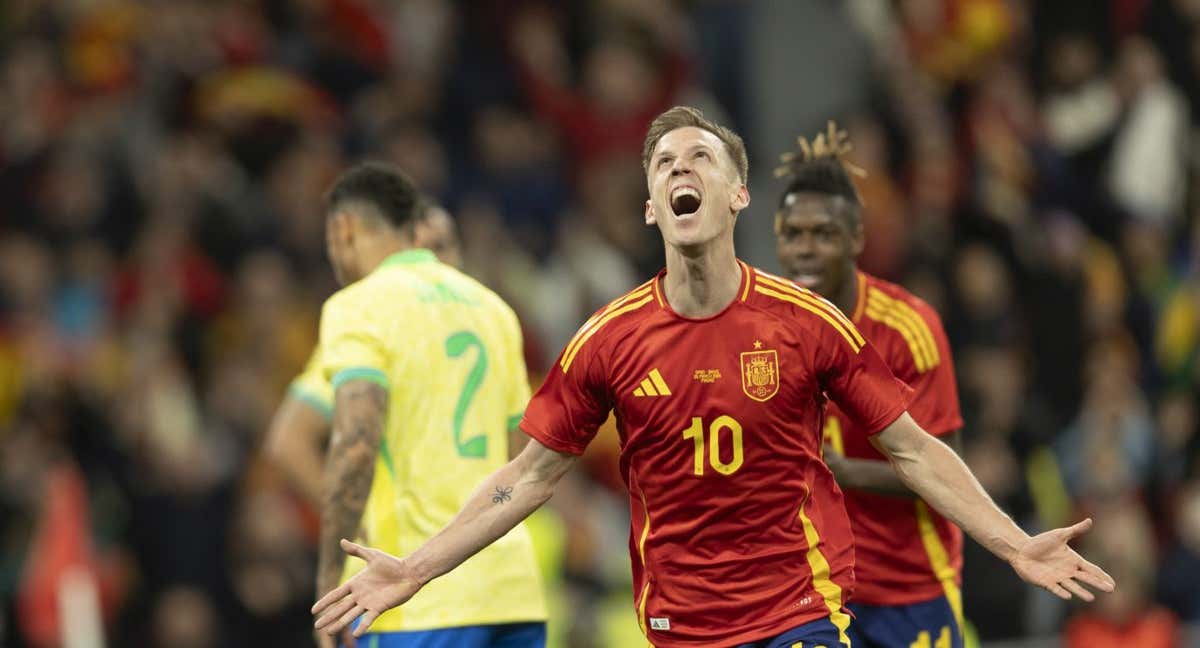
pixel 1033 173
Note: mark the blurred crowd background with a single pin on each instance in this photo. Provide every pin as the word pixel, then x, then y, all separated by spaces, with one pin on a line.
pixel 1034 172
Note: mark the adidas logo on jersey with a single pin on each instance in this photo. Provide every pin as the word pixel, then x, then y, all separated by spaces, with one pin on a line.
pixel 654 385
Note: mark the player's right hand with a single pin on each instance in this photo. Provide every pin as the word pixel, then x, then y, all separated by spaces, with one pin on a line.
pixel 1047 561
pixel 385 583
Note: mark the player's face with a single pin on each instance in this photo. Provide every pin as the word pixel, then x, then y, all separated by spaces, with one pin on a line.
pixel 436 232
pixel 695 191
pixel 815 242
pixel 339 244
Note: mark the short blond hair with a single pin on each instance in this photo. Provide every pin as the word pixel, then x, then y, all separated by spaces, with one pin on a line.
pixel 685 116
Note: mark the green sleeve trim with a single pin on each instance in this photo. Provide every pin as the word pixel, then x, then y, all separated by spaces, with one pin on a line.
pixel 322 406
pixel 386 453
pixel 361 373
pixel 515 420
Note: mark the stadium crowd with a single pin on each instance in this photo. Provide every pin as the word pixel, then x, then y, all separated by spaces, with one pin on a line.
pixel 1032 173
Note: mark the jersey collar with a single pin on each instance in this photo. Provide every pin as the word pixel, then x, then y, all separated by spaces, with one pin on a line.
pixel 409 257
pixel 742 293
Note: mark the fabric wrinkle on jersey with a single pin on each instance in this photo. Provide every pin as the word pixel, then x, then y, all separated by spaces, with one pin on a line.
pixel 449 351
pixel 905 552
pixel 738 531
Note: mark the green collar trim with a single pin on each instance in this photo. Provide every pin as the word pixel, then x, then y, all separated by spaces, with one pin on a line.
pixel 409 257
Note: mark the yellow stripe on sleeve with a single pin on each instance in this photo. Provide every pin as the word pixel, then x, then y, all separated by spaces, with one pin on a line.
pixel 921 327
pixel 594 320
pixel 823 580
pixel 820 312
pixel 916 331
pixel 939 559
pixel 814 299
pixel 569 357
pixel 893 321
pixel 591 321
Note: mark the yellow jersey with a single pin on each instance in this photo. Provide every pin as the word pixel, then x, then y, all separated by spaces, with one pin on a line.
pixel 449 351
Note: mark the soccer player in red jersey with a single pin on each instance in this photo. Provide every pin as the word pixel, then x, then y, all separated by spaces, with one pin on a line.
pixel 718 374
pixel 907 558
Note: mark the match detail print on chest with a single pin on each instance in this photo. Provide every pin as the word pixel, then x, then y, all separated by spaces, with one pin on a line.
pixel 756 369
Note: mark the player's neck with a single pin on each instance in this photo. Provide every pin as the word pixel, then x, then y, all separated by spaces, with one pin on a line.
pixel 372 255
pixel 846 298
pixel 704 283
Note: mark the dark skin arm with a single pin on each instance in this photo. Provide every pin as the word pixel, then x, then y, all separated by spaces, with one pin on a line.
pixel 876 476
pixel 360 411
pixel 293 444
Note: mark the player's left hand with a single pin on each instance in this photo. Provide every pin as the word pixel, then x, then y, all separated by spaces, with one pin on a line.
pixel 383 584
pixel 1048 562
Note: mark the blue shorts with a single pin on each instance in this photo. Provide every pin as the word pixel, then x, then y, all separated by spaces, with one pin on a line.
pixel 506 635
pixel 814 634
pixel 931 624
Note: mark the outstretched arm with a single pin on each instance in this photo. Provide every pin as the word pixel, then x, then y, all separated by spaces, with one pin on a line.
pixel 505 498
pixel 876 476
pixel 932 470
pixel 358 420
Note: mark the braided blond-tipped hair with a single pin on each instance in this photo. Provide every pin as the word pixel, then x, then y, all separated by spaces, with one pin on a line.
pixel 820 166
pixel 834 143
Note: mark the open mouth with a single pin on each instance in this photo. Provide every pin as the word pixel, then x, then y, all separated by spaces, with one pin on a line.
pixel 808 277
pixel 685 201
pixel 809 280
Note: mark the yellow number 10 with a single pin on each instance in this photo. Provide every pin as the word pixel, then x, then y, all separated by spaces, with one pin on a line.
pixel 696 434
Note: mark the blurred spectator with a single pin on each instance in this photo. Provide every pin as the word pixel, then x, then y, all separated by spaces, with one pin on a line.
pixel 1177 587
pixel 1129 616
pixel 1109 449
pixel 185 617
pixel 619 92
pixel 1147 168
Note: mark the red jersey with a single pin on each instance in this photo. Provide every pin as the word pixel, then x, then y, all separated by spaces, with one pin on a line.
pixel 738 529
pixel 905 552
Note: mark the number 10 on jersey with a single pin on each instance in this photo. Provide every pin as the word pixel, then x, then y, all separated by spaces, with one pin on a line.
pixel 695 432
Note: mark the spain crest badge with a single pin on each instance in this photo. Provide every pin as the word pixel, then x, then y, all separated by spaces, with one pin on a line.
pixel 760 373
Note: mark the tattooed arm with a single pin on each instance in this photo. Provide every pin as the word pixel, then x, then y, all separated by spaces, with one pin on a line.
pixel 359 414
pixel 505 498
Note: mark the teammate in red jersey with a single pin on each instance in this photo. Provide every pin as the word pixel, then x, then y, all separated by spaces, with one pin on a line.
pixel 907 558
pixel 718 374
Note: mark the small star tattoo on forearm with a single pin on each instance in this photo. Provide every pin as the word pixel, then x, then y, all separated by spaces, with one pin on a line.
pixel 502 494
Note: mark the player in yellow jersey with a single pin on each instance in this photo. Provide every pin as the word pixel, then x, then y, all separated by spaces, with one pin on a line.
pixel 299 429
pixel 428 376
